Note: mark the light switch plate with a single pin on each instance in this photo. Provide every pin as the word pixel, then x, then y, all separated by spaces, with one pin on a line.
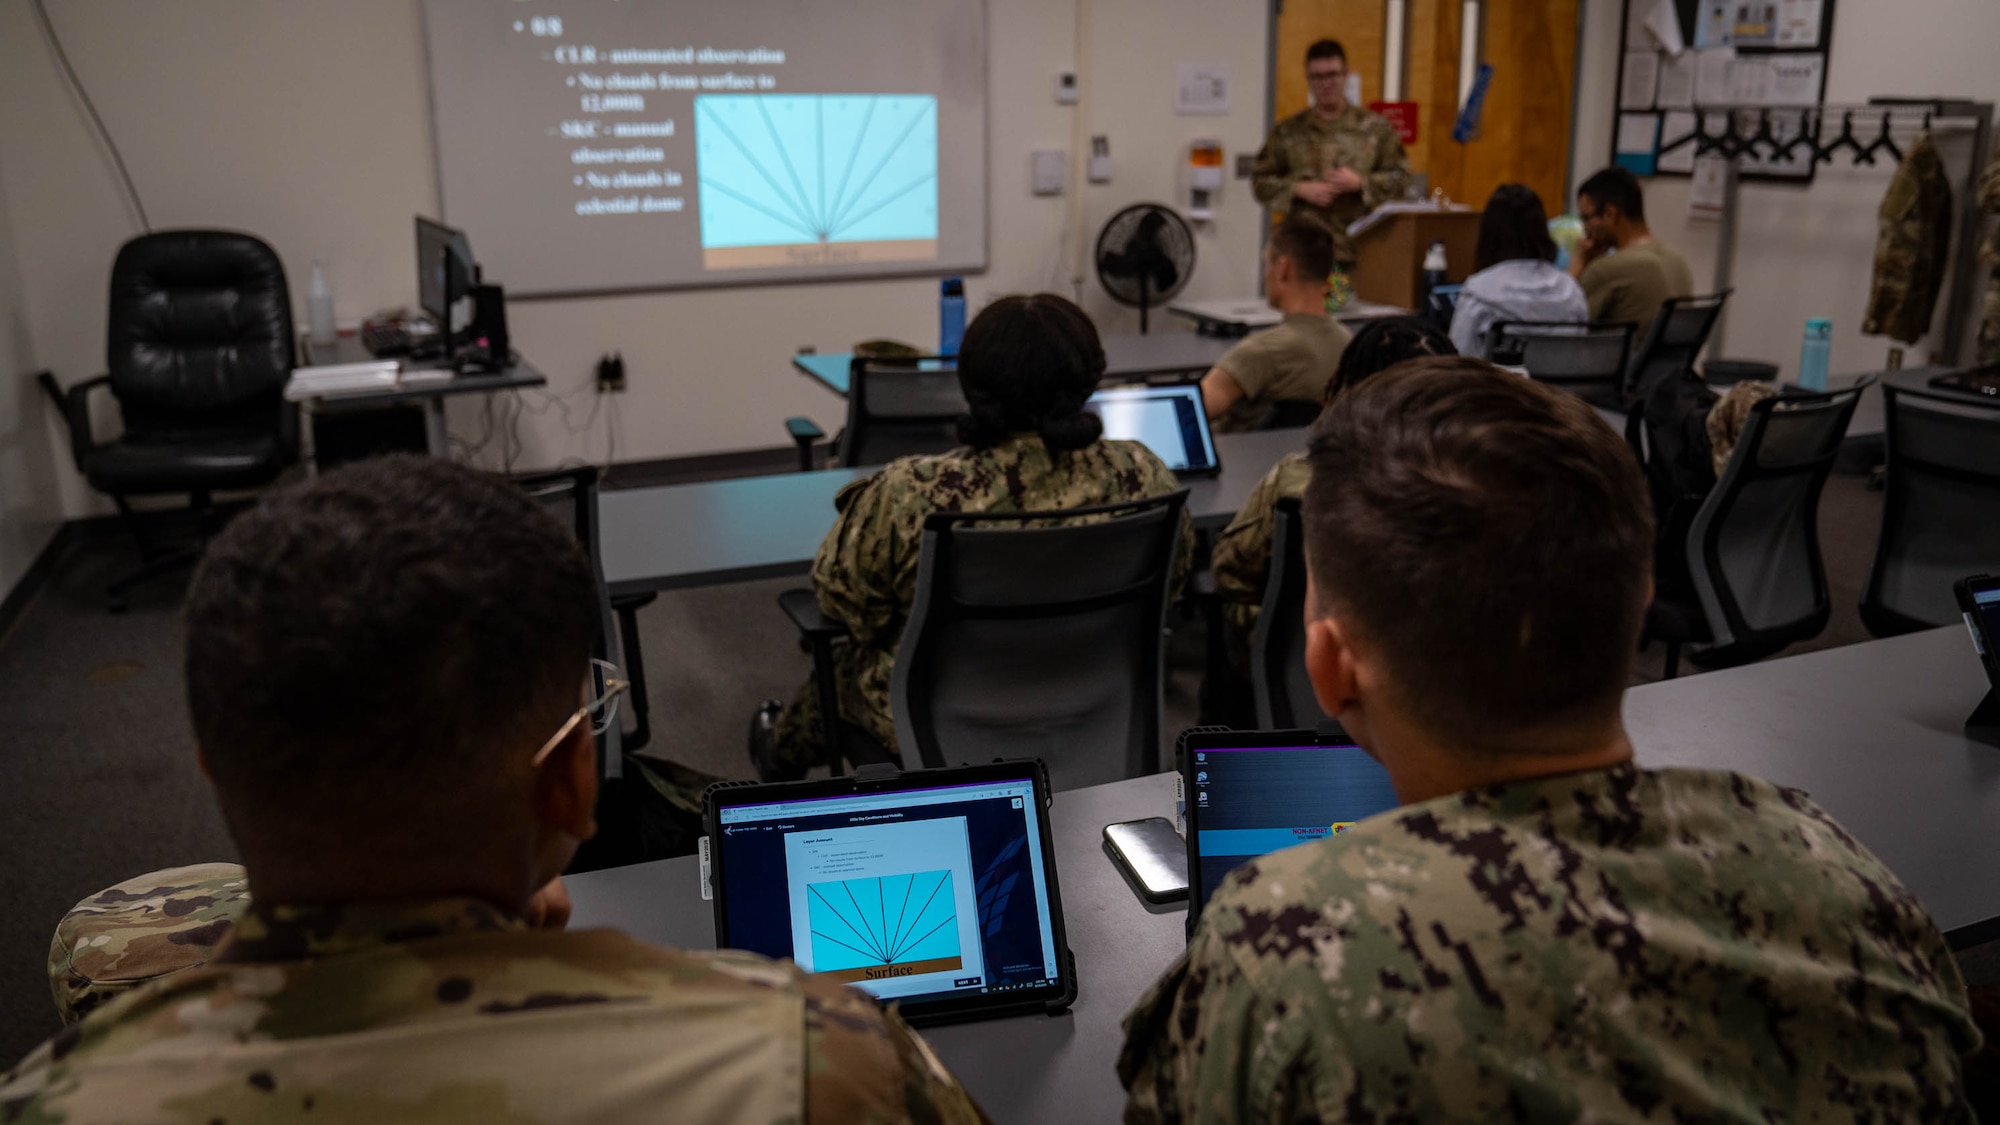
pixel 1051 168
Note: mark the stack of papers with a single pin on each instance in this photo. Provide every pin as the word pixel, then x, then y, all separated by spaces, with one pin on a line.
pixel 341 379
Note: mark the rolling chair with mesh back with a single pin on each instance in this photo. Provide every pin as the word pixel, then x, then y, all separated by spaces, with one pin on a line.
pixel 198 354
pixel 896 406
pixel 1940 509
pixel 1755 581
pixel 1587 360
pixel 1679 332
pixel 1041 641
pixel 1284 691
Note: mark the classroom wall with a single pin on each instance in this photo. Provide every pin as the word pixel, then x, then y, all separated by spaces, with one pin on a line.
pixel 1809 251
pixel 30 507
pixel 307 123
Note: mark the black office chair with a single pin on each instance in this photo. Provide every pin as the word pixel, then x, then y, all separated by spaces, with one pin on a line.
pixel 1940 509
pixel 1755 580
pixel 1679 332
pixel 1035 641
pixel 198 354
pixel 1587 360
pixel 1284 692
pixel 896 407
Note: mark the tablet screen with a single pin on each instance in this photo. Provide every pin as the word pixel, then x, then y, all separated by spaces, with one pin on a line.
pixel 1248 801
pixel 1169 421
pixel 909 894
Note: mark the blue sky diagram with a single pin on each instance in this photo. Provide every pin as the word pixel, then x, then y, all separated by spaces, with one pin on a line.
pixel 891 920
pixel 792 169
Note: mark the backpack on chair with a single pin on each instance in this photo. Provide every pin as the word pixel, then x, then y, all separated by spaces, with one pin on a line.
pixel 1667 427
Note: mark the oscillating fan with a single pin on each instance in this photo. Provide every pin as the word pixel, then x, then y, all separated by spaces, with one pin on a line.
pixel 1144 256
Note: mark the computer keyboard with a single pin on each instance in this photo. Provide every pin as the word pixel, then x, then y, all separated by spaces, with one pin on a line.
pixel 386 339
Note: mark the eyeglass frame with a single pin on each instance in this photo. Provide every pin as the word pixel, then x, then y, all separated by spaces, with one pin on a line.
pixel 604 698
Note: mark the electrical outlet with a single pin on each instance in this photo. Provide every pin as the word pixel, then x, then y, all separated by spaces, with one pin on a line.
pixel 611 373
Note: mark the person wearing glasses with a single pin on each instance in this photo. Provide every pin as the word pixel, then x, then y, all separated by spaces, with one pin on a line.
pixel 390 683
pixel 1332 161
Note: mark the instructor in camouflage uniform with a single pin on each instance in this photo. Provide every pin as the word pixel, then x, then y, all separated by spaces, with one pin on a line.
pixel 1332 161
pixel 384 669
pixel 1543 931
pixel 1027 364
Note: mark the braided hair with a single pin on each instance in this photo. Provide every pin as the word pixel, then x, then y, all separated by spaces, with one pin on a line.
pixel 1383 343
pixel 1028 364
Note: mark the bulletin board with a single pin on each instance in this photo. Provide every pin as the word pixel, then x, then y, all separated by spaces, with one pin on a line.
pixel 1767 55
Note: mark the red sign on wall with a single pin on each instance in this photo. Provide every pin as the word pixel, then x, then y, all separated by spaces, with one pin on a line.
pixel 1403 115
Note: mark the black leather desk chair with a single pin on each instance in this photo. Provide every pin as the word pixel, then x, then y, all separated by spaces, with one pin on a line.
pixel 1940 509
pixel 199 351
pixel 1756 580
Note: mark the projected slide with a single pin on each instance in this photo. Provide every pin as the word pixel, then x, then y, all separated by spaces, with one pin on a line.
pixel 587 146
pixel 904 921
pixel 791 180
pixel 888 907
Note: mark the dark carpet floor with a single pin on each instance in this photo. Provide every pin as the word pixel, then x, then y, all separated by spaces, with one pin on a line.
pixel 99 781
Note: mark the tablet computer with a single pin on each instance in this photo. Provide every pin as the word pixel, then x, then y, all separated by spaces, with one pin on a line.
pixel 932 889
pixel 1250 793
pixel 1979 600
pixel 1168 420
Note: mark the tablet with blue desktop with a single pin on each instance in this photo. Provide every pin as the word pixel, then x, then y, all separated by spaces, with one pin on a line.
pixel 935 889
pixel 1170 421
pixel 1250 793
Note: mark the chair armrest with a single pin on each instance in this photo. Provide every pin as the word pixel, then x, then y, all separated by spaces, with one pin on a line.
pixel 804 435
pixel 803 608
pixel 75 405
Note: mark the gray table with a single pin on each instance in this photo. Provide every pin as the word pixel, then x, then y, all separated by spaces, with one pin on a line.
pixel 428 397
pixel 1127 358
pixel 1872 731
pixel 682 535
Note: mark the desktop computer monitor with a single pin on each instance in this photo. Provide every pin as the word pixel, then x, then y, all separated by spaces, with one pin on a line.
pixel 446 273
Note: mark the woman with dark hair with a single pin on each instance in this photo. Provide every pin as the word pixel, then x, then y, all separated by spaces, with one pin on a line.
pixel 1516 277
pixel 1027 365
pixel 1241 561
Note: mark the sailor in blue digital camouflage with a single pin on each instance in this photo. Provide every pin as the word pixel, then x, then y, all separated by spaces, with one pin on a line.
pixel 401 727
pixel 1027 365
pixel 1543 931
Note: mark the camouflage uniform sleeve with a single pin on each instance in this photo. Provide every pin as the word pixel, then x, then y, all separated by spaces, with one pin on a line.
pixel 853 574
pixel 1205 1045
pixel 1273 174
pixel 1391 177
pixel 1989 186
pixel 865 1066
pixel 1241 561
pixel 140 930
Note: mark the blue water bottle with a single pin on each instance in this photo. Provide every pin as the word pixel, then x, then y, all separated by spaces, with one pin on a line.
pixel 951 315
pixel 1813 356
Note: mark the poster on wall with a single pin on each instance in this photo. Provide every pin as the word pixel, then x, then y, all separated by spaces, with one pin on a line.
pixel 1756 24
pixel 1799 23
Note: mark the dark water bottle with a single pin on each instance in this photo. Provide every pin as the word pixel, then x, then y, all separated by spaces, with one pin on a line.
pixel 951 315
pixel 1435 268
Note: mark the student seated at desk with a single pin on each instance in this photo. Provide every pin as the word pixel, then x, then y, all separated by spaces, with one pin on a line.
pixel 388 672
pixel 1544 930
pixel 1291 361
pixel 1625 272
pixel 1516 277
pixel 1241 559
pixel 1027 365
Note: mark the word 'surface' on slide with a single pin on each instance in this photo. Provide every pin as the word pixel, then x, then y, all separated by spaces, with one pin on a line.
pixel 794 179
pixel 888 906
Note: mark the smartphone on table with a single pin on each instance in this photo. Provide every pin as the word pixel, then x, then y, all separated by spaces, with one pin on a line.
pixel 1153 854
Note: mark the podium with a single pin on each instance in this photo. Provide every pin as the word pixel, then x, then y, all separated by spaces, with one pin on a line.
pixel 1389 256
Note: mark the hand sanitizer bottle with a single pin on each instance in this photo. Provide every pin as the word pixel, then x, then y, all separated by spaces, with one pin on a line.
pixel 319 306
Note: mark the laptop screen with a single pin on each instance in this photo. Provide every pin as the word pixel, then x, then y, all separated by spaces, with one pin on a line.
pixel 914 894
pixel 1248 800
pixel 1169 421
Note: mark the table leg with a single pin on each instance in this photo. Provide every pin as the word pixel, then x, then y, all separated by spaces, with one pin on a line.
pixel 308 450
pixel 436 439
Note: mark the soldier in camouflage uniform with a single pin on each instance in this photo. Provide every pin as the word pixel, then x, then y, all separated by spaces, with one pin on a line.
pixel 1027 365
pixel 1989 315
pixel 1241 559
pixel 1543 931
pixel 391 721
pixel 1331 161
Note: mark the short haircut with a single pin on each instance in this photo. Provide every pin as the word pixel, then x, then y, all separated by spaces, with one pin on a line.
pixel 1028 364
pixel 370 649
pixel 1382 343
pixel 1490 538
pixel 1308 245
pixel 1616 187
pixel 1325 49
pixel 1513 227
